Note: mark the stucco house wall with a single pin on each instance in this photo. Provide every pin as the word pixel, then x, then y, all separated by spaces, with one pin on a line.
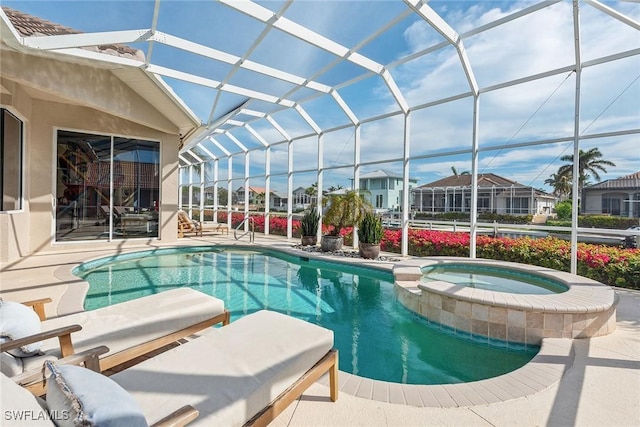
pixel 48 95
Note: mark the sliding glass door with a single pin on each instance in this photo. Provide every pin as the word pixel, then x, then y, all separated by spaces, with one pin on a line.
pixel 107 187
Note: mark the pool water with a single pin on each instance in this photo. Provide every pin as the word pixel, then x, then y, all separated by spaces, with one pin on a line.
pixel 492 279
pixel 376 336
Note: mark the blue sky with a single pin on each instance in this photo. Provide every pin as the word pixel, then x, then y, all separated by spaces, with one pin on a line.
pixel 533 111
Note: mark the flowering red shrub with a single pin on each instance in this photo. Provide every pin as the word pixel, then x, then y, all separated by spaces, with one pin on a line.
pixel 610 265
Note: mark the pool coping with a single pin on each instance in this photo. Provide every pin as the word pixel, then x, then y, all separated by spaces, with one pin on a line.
pixel 553 361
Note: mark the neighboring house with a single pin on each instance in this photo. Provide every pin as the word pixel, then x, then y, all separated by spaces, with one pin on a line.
pixel 300 199
pixel 617 197
pixel 277 201
pixel 495 194
pixel 86 137
pixel 385 189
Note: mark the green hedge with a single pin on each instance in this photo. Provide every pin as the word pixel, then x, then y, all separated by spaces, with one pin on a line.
pixel 597 221
pixel 482 217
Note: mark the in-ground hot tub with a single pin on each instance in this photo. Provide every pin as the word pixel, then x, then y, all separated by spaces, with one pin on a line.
pixel 492 278
pixel 576 307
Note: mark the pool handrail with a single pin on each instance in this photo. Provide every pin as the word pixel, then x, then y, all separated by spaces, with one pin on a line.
pixel 251 232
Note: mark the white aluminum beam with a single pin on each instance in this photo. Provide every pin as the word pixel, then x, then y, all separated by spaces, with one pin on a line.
pixel 253 113
pixel 253 132
pixel 236 141
pixel 576 142
pixel 220 146
pixel 345 108
pixel 207 152
pixel 279 128
pixel 307 118
pixel 154 28
pixel 406 140
pixel 509 18
pixel 202 81
pixel 234 60
pixel 192 154
pixel 614 14
pixel 395 91
pixel 440 25
pixel 66 41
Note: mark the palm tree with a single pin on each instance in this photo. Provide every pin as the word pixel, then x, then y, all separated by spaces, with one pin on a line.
pixel 313 190
pixel 345 210
pixel 561 185
pixel 589 164
pixel 455 171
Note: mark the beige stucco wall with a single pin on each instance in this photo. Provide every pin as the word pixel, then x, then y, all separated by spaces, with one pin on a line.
pixel 30 230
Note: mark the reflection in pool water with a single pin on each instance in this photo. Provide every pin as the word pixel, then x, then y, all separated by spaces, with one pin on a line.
pixel 376 336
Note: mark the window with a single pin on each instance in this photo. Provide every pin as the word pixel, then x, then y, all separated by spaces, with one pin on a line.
pixel 484 204
pixel 379 201
pixel 11 161
pixel 107 187
pixel 611 205
pixel 520 205
pixel 383 184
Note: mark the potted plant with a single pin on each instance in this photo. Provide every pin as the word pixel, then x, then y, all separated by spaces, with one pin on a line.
pixel 309 227
pixel 369 235
pixel 343 210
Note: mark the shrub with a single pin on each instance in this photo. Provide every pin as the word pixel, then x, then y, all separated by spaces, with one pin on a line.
pixel 563 210
pixel 609 265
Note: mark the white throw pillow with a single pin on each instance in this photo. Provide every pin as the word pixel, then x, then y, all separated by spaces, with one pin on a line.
pixel 90 398
pixel 19 321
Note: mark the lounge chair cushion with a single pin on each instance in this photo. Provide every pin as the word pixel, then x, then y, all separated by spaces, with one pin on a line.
pixel 20 408
pixel 229 374
pixel 90 398
pixel 10 365
pixel 124 325
pixel 19 321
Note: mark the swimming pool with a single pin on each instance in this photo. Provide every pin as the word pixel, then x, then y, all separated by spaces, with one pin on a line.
pixel 377 337
pixel 490 278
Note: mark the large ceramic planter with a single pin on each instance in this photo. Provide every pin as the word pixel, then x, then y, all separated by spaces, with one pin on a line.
pixel 331 243
pixel 369 250
pixel 309 240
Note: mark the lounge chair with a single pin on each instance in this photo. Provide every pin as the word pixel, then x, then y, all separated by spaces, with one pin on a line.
pixel 188 226
pixel 246 373
pixel 130 329
pixel 19 407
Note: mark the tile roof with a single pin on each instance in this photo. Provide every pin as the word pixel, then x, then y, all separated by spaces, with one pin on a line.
pixel 29 25
pixel 485 180
pixel 628 182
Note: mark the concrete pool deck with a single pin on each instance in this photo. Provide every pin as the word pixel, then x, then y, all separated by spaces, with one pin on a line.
pixel 601 386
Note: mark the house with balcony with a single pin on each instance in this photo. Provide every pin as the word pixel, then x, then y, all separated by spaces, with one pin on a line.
pixel 616 197
pixel 495 194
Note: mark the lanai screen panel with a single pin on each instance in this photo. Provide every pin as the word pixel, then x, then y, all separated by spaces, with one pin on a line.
pixel 510 78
